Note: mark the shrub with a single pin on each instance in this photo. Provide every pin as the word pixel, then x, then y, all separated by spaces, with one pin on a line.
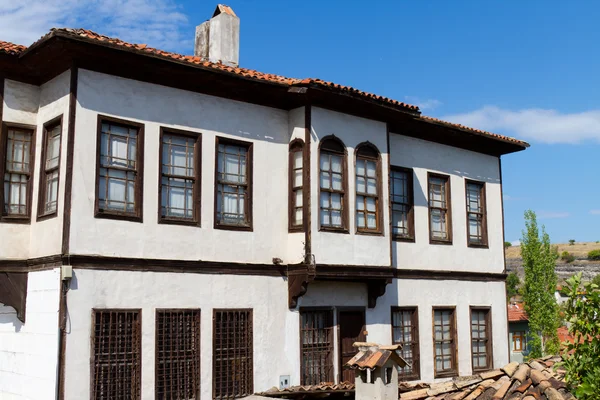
pixel 512 285
pixel 594 255
pixel 571 242
pixel 507 245
pixel 567 257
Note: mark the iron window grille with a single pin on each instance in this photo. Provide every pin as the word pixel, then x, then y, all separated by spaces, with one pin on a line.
pixel 481 340
pixel 402 202
pixel 444 338
pixel 405 331
pixel 440 228
pixel 18 155
pixel 50 169
pixel 476 214
pixel 367 171
pixel 316 346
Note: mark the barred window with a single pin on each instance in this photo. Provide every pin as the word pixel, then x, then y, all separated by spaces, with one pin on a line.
pixel 234 184
pixel 440 229
pixel 316 341
pixel 405 331
pixel 233 375
pixel 50 168
pixel 180 177
pixel 367 189
pixel 120 169
pixel 332 184
pixel 177 354
pixel 18 158
pixel 444 339
pixel 476 214
pixel 402 200
pixel 481 339
pixel 116 358
pixel 295 184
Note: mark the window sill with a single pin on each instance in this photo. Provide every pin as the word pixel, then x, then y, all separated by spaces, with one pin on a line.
pixel 44 217
pixel 294 229
pixel 445 374
pixel 333 230
pixel 15 220
pixel 369 233
pixel 439 241
pixel 480 370
pixel 118 216
pixel 243 228
pixel 174 221
pixel 403 239
pixel 478 246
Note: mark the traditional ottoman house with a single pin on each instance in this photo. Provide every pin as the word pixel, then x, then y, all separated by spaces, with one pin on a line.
pixel 179 227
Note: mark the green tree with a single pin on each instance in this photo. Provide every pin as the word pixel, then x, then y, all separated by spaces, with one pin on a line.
pixel 507 245
pixel 582 358
pixel 512 285
pixel 539 262
pixel 571 242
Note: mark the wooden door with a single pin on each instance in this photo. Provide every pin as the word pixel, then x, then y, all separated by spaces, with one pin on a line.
pixel 352 329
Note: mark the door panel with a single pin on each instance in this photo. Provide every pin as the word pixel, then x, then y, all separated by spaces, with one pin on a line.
pixel 352 328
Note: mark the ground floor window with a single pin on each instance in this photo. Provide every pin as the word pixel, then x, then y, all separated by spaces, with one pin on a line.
pixel 405 331
pixel 316 346
pixel 444 340
pixel 116 358
pixel 481 339
pixel 232 354
pixel 177 354
pixel 518 341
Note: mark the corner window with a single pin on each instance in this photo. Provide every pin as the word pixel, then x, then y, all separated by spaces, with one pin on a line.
pixel 179 177
pixel 233 190
pixel 50 169
pixel 332 185
pixel 402 201
pixel 18 147
pixel 405 331
pixel 444 341
pixel 295 185
pixel 481 339
pixel 368 172
pixel 440 223
pixel 120 169
pixel 476 214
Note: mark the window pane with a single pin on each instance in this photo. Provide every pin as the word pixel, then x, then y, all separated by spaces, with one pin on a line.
pixel 298 198
pixel 371 221
pixel 51 192
pixel 361 186
pixel 336 164
pixel 360 220
pixel 325 180
pixel 297 159
pixel 372 186
pixel 297 178
pixel 53 147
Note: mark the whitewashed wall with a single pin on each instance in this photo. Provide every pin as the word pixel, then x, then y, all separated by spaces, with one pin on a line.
pixel 423 156
pixel 28 352
pixel 337 248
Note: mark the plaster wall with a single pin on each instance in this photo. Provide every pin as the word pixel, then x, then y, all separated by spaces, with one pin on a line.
pixel 423 157
pixel 28 352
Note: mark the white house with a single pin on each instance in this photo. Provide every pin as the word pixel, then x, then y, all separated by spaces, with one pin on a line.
pixel 179 227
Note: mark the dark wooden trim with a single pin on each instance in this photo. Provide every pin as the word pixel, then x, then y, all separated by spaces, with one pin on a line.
pixel 346 196
pixel 31 264
pixel 337 326
pixel 62 338
pixel 3 143
pixel 249 172
pixel 416 367
pixel 502 205
pixel 455 369
pixel 489 332
pixel 13 291
pixel 411 238
pixel 307 183
pixel 66 235
pixel 197 194
pixel 484 224
pixel 138 214
pixel 448 208
pixel 42 178
pixel 389 194
pixel 375 289
pixel 378 231
pixel 295 146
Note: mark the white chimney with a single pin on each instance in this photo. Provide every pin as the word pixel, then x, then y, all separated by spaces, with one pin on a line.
pixel 218 39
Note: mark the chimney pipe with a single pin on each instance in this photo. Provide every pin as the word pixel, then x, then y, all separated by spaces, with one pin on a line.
pixel 218 39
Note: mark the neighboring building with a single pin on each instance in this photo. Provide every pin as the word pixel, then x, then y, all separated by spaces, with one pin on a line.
pixel 175 227
pixel 518 330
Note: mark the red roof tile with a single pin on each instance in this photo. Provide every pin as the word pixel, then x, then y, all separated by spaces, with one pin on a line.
pixel 516 313
pixel 11 48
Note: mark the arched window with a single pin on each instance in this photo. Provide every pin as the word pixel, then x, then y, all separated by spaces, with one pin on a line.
pixel 368 188
pixel 332 184
pixel 295 185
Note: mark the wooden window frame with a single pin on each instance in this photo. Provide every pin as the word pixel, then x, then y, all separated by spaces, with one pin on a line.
pixel 332 329
pixel 378 231
pixel 416 345
pixel 454 371
pixel 448 209
pixel 196 359
pixel 197 190
pixel 43 184
pixel 296 145
pixel 482 193
pixel 250 185
pixel 344 192
pixel 214 358
pixel 137 214
pixel 136 394
pixel 411 205
pixel 523 336
pixel 489 340
pixel 17 219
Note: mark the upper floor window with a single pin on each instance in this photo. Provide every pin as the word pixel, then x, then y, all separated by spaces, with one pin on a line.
pixel 402 200
pixel 120 169
pixel 440 224
pixel 481 339
pixel 332 184
pixel 476 214
pixel 295 182
pixel 18 143
pixel 50 168
pixel 233 185
pixel 368 214
pixel 179 177
pixel 444 340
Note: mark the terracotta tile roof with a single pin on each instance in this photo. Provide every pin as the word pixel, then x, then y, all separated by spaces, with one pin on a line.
pixel 11 48
pixel 516 313
pixel 222 8
pixel 371 356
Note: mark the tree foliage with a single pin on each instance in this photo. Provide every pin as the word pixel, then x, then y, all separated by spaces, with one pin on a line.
pixel 596 280
pixel 539 262
pixel 512 285
pixel 582 360
pixel 507 245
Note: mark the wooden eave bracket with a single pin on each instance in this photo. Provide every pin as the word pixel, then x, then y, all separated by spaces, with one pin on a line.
pixel 13 291
pixel 298 281
pixel 375 289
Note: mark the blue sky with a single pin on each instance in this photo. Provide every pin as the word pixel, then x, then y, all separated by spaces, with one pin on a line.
pixel 524 69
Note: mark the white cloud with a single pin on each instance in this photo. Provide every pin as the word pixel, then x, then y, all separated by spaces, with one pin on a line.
pixel 542 125
pixel 516 243
pixel 552 214
pixel 428 104
pixel 595 212
pixel 158 23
